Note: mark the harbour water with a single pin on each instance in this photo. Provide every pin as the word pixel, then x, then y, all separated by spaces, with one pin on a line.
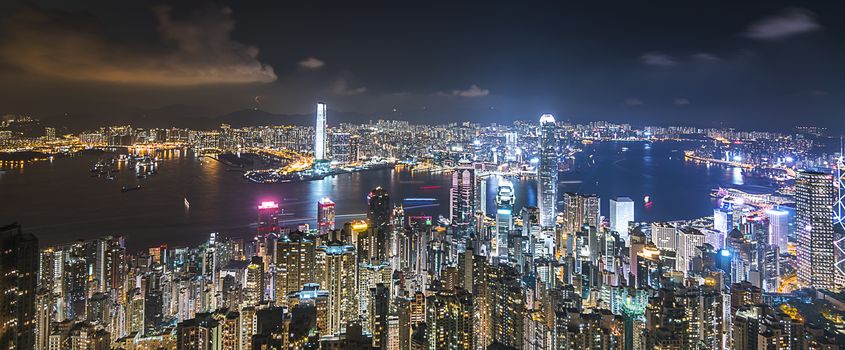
pixel 71 204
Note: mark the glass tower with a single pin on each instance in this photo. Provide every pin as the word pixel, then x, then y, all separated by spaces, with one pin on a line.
pixel 320 133
pixel 547 171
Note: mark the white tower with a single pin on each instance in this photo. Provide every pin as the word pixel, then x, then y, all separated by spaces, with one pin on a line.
pixel 320 133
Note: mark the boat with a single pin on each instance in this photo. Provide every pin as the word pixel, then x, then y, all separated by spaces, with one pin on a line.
pixel 127 189
pixel 187 204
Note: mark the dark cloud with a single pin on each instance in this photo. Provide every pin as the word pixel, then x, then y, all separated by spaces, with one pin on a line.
pixel 634 102
pixel 473 91
pixel 658 59
pixel 788 23
pixel 195 51
pixel 680 101
pixel 341 87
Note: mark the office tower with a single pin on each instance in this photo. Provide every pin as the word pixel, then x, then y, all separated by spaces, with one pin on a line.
pixel 295 259
pixel 723 218
pixel 253 287
pixel 505 199
pixel 18 281
pixel 268 218
pixel 462 196
pixel 814 226
pixel 839 206
pixel 580 210
pixel 689 240
pixel 449 317
pixel 664 235
pixel 325 215
pixel 379 210
pixel 341 151
pixel 547 171
pixel 320 133
pixel 379 309
pixel 621 215
pixel 778 227
pixel 336 268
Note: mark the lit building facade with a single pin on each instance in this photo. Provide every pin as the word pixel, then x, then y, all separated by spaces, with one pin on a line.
pixel 814 195
pixel 547 171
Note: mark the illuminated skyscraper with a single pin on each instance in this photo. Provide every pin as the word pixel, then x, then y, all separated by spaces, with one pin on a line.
pixel 621 215
pixel 505 199
pixel 379 209
pixel 839 209
pixel 778 227
pixel 325 215
pixel 268 217
pixel 18 280
pixel 449 316
pixel 462 195
pixel 814 195
pixel 253 290
pixel 547 171
pixel 320 133
pixel 295 260
pixel 337 274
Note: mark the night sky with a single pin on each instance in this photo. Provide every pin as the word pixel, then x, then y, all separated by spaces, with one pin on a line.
pixel 750 64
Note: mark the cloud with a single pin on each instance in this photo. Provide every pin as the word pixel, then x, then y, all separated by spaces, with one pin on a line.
pixel 681 101
pixel 705 57
pixel 311 63
pixel 473 91
pixel 341 87
pixel 658 59
pixel 788 23
pixel 634 102
pixel 194 51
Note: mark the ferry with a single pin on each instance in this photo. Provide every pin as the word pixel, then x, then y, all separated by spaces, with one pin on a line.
pixel 127 189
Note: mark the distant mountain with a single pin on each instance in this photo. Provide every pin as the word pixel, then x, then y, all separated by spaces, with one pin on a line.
pixel 183 116
pixel 257 117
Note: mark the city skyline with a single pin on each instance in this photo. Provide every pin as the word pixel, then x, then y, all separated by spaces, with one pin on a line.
pixel 467 190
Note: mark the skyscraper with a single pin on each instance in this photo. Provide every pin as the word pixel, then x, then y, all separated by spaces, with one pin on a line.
pixel 814 195
pixel 778 227
pixel 839 209
pixel 337 275
pixel 462 195
pixel 268 217
pixel 320 133
pixel 18 280
pixel 547 171
pixel 379 208
pixel 621 214
pixel 505 199
pixel 325 215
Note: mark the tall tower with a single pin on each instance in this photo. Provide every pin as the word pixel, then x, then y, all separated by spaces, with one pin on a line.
pixel 325 215
pixel 268 217
pixel 814 196
pixel 839 206
pixel 547 171
pixel 320 133
pixel 18 280
pixel 778 227
pixel 462 195
pixel 621 214
pixel 504 216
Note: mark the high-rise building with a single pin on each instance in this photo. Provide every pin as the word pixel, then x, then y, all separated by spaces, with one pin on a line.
pixel 505 200
pixel 839 206
pixel 449 316
pixel 664 235
pixel 462 196
pixel 18 281
pixel 325 215
pixel 379 208
pixel 341 147
pixel 336 264
pixel 689 240
pixel 295 259
pixel 778 227
pixel 268 217
pixel 814 195
pixel 320 133
pixel 621 215
pixel 547 171
pixel 253 287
